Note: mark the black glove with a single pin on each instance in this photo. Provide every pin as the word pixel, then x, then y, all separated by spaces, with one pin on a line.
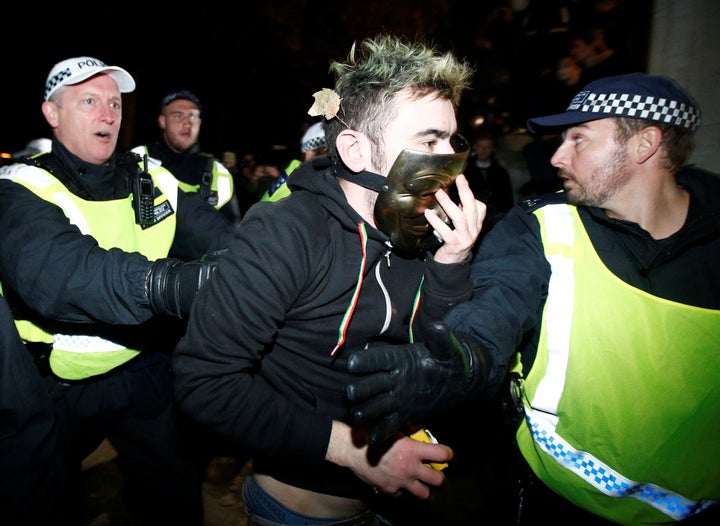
pixel 171 284
pixel 402 383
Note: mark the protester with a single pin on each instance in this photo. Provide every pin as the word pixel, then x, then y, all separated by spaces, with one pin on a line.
pixel 310 279
pixel 603 302
pixel 84 267
pixel 179 151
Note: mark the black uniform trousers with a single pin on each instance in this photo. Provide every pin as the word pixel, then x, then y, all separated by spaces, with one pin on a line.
pixel 31 471
pixel 132 407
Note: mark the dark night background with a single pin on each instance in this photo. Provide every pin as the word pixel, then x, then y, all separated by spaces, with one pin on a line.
pixel 255 67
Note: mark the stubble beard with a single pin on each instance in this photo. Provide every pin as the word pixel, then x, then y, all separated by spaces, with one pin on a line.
pixel 604 182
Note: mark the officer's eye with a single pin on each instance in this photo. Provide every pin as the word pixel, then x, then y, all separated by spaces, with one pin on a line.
pixel 179 116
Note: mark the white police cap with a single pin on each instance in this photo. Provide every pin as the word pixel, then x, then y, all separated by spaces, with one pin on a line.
pixel 75 70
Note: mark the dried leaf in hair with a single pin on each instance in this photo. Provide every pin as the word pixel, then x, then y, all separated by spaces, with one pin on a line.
pixel 327 104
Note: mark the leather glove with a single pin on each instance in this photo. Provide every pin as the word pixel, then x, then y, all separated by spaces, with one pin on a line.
pixel 402 383
pixel 171 284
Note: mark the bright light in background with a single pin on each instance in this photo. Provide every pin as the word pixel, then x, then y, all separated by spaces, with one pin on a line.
pixel 477 121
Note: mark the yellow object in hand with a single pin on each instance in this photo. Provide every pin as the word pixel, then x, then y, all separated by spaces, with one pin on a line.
pixel 424 435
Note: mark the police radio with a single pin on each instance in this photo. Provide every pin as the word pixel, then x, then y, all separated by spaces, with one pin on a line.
pixel 143 197
pixel 206 191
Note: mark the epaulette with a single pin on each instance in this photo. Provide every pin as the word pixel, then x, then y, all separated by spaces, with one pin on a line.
pixel 45 161
pixel 128 157
pixel 533 203
pixel 51 164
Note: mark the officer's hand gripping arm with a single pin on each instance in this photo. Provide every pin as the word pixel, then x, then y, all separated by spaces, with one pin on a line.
pixel 171 284
pixel 401 384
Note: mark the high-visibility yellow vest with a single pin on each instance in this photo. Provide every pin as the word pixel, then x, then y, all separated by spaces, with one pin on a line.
pixel 280 189
pixel 222 184
pixel 112 225
pixel 622 406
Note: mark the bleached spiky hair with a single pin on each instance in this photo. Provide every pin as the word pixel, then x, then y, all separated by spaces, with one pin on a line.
pixel 380 68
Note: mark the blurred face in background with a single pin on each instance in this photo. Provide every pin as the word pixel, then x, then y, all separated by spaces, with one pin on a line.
pixel 581 51
pixel 568 71
pixel 229 160
pixel 484 148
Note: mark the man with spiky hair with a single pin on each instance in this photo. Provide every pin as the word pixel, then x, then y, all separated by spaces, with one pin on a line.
pixel 364 252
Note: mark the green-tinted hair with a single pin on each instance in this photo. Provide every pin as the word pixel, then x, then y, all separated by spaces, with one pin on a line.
pixel 379 68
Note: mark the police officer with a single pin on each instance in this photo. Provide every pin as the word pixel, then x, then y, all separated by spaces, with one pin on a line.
pixel 179 151
pixel 86 237
pixel 312 145
pixel 603 302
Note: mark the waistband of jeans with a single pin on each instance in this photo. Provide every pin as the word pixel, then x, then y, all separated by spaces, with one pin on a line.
pixel 258 500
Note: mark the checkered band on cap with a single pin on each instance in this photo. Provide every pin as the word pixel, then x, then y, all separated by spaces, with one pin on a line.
pixel 654 98
pixel 76 70
pixel 314 144
pixel 657 109
pixel 313 138
pixel 56 80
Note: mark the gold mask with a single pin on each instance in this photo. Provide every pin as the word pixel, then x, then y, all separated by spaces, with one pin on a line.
pixel 409 190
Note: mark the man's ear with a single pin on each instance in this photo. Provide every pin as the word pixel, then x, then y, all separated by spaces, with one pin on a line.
pixel 49 110
pixel 161 121
pixel 353 147
pixel 649 140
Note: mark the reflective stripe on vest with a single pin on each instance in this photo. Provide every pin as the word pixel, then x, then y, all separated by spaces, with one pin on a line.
pixel 601 426
pixel 223 183
pixel 112 225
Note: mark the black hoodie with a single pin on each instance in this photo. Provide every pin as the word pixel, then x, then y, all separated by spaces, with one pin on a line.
pixel 302 277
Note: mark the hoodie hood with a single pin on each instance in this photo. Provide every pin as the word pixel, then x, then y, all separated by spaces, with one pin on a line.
pixel 320 176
